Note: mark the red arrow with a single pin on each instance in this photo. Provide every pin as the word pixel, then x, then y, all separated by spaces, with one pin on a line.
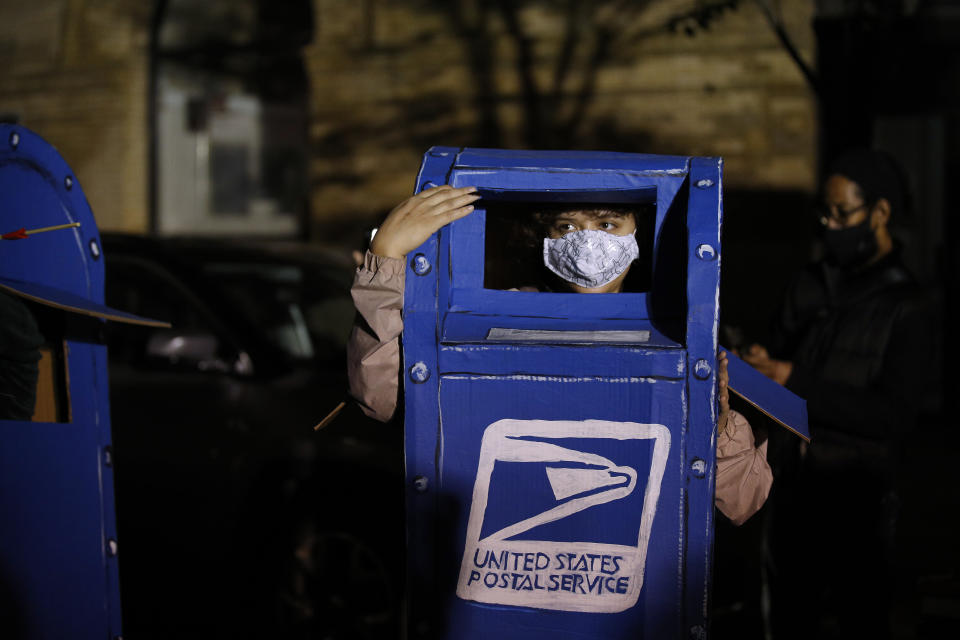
pixel 23 234
pixel 19 234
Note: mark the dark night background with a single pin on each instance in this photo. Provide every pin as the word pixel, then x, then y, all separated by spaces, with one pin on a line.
pixel 227 143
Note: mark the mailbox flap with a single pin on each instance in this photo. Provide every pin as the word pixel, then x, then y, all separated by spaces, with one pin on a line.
pixel 495 329
pixel 774 400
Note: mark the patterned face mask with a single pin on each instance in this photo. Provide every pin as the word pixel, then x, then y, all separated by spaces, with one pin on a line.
pixel 590 258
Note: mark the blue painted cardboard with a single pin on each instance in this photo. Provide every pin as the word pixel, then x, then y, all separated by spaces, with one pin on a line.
pixel 775 401
pixel 560 447
pixel 57 524
pixel 73 303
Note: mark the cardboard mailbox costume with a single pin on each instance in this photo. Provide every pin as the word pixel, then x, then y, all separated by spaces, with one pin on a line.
pixel 58 540
pixel 560 447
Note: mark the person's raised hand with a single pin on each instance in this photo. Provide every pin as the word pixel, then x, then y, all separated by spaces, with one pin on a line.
pixel 777 370
pixel 415 219
pixel 723 384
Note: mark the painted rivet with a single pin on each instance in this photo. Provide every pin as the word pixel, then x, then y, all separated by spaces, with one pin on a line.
pixel 419 373
pixel 428 185
pixel 705 183
pixel 420 265
pixel 112 547
pixel 14 140
pixel 706 252
pixel 698 467
pixel 420 483
pixel 702 369
pixel 68 182
pixel 108 456
pixel 698 633
pixel 94 249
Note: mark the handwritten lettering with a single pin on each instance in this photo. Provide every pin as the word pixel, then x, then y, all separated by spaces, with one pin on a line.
pixel 576 573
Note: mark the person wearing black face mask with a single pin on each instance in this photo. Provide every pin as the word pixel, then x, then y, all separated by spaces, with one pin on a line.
pixel 850 244
pixel 856 338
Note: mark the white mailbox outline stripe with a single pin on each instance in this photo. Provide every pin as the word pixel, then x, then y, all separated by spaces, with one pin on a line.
pixel 502 441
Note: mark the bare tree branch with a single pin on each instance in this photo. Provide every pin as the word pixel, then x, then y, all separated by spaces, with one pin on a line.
pixel 776 23
pixel 473 31
pixel 602 43
pixel 572 34
pixel 532 112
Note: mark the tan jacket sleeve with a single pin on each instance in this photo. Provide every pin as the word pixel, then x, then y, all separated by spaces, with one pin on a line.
pixel 743 475
pixel 373 352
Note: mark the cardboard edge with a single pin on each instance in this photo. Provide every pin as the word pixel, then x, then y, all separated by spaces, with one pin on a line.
pixel 769 415
pixel 131 319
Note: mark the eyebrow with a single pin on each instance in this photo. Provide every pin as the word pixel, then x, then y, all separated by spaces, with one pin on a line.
pixel 592 215
pixel 607 215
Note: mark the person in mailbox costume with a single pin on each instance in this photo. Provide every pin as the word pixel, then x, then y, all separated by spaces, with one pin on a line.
pixel 856 337
pixel 587 251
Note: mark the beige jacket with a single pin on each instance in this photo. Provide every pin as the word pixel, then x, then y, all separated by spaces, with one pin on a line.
pixel 373 362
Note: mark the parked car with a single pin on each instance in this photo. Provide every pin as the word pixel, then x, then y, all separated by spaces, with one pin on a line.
pixel 235 517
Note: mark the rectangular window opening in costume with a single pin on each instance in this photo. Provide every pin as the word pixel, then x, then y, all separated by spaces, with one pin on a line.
pixel 515 232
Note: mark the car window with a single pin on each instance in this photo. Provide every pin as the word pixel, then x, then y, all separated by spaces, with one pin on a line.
pixel 144 288
pixel 270 296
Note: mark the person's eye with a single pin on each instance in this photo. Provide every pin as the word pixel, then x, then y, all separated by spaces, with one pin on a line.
pixel 608 226
pixel 566 227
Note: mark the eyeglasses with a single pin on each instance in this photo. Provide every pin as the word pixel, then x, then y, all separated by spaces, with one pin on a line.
pixel 832 213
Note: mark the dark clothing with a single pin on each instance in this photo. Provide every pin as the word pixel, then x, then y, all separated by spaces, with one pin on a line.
pixel 20 342
pixel 863 349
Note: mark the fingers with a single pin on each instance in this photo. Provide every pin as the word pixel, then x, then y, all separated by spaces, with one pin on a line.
pixel 443 218
pixel 724 402
pixel 441 201
pixel 442 193
pixel 462 205
pixel 723 380
pixel 448 206
pixel 411 222
pixel 434 189
pixel 431 194
pixel 756 351
pixel 458 201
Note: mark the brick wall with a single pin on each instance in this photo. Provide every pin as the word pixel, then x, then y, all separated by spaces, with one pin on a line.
pixel 389 79
pixel 75 71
